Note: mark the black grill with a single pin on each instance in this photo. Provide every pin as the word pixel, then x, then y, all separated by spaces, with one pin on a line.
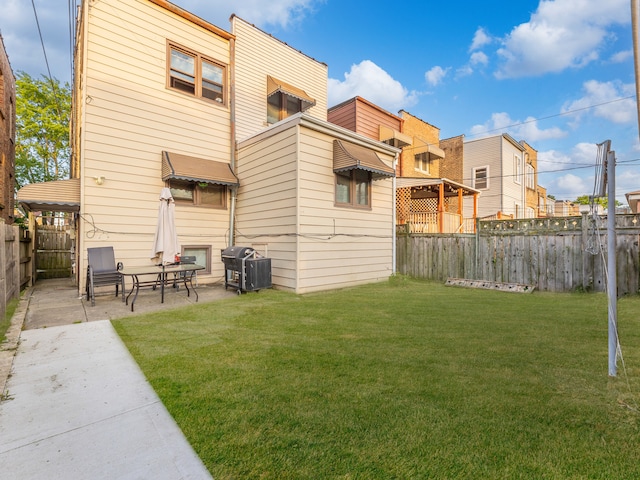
pixel 245 269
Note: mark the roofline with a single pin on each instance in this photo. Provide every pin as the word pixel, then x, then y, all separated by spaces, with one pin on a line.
pixel 506 136
pixel 418 118
pixel 336 131
pixel 358 98
pixel 233 15
pixel 190 17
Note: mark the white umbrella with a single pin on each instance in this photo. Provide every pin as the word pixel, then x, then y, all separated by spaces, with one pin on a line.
pixel 165 244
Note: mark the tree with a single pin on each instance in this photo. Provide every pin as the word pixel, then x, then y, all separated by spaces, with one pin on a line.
pixel 43 109
pixel 586 200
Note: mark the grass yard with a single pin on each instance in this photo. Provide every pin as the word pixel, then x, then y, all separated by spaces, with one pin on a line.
pixel 405 379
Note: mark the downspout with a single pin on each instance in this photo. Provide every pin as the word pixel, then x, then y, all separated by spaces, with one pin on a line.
pixel 394 207
pixel 234 145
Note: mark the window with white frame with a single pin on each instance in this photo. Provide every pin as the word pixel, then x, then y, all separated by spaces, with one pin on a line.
pixel 481 178
pixel 422 162
pixel 530 177
pixel 517 168
pixel 194 74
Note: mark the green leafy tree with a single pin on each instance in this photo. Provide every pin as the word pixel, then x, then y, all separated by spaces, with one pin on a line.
pixel 43 109
pixel 585 200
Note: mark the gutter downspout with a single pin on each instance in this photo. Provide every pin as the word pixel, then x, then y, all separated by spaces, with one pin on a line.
pixel 393 222
pixel 234 145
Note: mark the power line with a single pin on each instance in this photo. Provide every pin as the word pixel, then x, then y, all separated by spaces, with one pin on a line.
pixel 561 114
pixel 46 60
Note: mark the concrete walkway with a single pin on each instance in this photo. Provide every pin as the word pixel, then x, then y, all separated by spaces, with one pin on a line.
pixel 75 404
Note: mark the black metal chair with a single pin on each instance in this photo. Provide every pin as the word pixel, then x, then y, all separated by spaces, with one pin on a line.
pixel 102 270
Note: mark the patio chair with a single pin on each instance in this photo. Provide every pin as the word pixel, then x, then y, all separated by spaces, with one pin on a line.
pixel 102 271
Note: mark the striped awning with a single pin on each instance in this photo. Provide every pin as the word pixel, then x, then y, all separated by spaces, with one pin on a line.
pixel 276 86
pixel 194 169
pixel 54 196
pixel 349 156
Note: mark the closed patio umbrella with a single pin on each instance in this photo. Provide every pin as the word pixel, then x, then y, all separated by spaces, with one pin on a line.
pixel 165 244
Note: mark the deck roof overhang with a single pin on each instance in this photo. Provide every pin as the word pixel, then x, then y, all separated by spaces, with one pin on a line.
pixel 430 187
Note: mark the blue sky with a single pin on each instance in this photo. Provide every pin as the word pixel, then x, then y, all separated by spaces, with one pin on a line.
pixel 558 74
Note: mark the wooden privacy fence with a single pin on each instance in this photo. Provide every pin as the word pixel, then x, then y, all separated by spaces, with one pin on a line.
pixel 53 251
pixel 9 264
pixel 554 254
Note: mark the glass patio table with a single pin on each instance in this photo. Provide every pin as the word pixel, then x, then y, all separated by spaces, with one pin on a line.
pixel 182 273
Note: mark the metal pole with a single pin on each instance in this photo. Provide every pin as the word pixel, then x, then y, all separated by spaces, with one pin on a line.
pixel 635 19
pixel 612 281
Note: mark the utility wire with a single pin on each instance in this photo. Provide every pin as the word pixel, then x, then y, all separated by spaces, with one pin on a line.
pixel 46 60
pixel 561 114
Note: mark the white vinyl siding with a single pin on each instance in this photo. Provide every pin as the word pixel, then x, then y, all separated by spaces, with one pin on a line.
pixel 130 117
pixel 257 55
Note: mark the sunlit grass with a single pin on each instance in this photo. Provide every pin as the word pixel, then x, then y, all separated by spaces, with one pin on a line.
pixel 405 379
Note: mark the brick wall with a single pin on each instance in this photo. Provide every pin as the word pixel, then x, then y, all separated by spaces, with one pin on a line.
pixel 452 165
pixel 7 136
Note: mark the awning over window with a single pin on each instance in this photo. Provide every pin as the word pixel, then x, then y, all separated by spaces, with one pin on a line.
pixel 349 156
pixel 276 86
pixel 420 146
pixel 183 167
pixel 394 137
pixel 55 196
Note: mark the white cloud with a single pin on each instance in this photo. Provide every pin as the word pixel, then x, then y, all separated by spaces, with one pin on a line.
pixel 621 57
pixel 611 99
pixel 436 75
pixel 569 186
pixel 560 34
pixel 479 58
pixel 371 82
pixel 480 39
pixel 527 130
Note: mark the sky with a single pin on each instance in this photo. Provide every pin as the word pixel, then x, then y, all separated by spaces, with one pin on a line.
pixel 558 74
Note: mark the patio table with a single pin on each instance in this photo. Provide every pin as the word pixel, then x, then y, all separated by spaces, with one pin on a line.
pixel 160 273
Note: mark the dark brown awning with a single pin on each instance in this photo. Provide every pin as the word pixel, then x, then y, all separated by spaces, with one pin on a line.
pixel 183 167
pixel 349 156
pixel 276 86
pixel 54 196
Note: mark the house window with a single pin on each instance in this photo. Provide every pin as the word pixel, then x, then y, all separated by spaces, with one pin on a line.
pixel 201 194
pixel 422 162
pixel 353 188
pixel 481 178
pixel 193 74
pixel 280 106
pixel 530 177
pixel 517 167
pixel 202 254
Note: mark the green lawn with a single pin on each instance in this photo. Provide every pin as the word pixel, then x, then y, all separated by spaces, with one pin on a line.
pixel 405 379
pixel 5 322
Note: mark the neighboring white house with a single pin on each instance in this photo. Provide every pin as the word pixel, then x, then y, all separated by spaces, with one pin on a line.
pixel 163 97
pixel 495 166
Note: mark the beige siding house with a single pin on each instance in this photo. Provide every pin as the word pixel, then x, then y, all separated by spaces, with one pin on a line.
pixel 133 102
pixel 289 209
pixel 235 125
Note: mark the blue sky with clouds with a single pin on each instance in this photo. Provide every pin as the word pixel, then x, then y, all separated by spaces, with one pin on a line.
pixel 558 74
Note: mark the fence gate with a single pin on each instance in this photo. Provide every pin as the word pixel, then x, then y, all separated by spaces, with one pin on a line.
pixel 53 251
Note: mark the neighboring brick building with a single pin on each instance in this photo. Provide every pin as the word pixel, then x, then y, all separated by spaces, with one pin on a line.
pixel 7 136
pixel 531 180
pixel 451 166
